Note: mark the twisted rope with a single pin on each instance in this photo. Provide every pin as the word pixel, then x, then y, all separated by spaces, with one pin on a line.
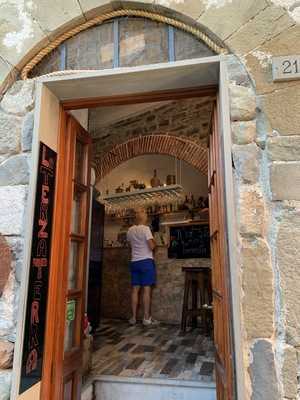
pixel 114 14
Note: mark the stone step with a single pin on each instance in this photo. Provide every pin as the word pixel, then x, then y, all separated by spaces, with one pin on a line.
pixel 129 388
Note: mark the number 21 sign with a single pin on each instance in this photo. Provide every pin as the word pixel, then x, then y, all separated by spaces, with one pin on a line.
pixel 286 68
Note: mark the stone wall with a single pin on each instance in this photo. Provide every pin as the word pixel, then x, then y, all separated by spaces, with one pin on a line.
pixel 179 128
pixel 16 126
pixel 189 118
pixel 140 41
pixel 266 172
pixel 265 133
pixel 167 296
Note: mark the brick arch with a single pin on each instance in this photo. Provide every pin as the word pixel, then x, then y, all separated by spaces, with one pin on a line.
pixel 180 147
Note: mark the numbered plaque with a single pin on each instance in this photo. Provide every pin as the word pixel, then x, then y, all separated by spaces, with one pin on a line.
pixel 286 68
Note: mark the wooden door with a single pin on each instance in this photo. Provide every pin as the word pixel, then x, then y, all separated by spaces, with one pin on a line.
pixel 71 260
pixel 220 267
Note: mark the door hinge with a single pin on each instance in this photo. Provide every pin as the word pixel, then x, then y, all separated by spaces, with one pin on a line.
pixel 212 181
pixel 214 235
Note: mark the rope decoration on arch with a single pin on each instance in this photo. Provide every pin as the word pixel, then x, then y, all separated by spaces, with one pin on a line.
pixel 114 14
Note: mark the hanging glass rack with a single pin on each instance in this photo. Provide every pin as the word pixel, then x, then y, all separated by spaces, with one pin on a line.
pixel 119 202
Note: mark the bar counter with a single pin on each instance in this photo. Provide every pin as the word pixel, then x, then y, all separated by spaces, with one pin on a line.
pixel 167 295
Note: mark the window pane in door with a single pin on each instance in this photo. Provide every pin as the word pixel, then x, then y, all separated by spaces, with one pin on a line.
pixel 70 325
pixel 74 258
pixel 78 205
pixel 80 163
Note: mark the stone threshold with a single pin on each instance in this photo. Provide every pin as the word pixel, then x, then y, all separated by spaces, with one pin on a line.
pixel 109 387
pixel 154 381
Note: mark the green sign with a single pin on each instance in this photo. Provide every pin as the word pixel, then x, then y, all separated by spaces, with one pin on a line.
pixel 71 310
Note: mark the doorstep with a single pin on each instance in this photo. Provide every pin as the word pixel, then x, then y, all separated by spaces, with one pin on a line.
pixel 106 387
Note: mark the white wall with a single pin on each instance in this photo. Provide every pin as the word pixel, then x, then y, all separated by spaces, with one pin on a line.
pixel 141 168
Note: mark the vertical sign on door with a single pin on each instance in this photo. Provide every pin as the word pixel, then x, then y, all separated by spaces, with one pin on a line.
pixel 34 333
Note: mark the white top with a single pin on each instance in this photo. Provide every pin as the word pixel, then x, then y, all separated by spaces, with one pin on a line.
pixel 137 236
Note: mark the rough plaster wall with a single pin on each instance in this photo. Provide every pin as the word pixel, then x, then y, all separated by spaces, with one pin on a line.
pixel 292 6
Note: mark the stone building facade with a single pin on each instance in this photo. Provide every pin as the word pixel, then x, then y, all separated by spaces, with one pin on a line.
pixel 265 125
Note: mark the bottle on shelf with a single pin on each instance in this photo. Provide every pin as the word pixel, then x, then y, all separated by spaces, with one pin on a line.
pixel 193 202
pixel 187 203
pixel 155 181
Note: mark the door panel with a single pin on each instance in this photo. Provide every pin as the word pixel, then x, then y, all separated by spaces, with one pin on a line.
pixel 71 262
pixel 220 269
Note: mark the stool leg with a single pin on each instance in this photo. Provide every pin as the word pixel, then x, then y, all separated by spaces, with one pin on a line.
pixel 209 290
pixel 194 301
pixel 185 305
pixel 202 301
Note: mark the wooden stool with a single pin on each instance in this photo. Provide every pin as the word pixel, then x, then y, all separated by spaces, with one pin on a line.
pixel 197 282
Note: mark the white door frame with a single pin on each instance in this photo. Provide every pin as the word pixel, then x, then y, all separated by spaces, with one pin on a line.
pixel 51 90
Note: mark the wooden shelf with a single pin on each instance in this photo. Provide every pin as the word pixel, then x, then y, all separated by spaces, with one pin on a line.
pixel 188 222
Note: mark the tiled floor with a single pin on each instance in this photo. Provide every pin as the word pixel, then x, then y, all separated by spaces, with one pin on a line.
pixel 160 352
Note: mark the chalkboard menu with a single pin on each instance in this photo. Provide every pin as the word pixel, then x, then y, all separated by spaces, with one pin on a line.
pixel 35 323
pixel 192 241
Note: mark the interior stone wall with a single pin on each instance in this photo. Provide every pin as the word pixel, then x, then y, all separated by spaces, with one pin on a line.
pixel 167 295
pixel 265 132
pixel 189 118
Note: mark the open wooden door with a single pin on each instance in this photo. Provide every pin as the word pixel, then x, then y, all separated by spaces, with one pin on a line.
pixel 220 267
pixel 70 260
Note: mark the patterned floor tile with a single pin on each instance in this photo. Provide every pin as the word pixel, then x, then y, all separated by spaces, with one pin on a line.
pixel 162 352
pixel 172 348
pixel 127 347
pixel 207 368
pixel 144 349
pixel 135 363
pixel 191 358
